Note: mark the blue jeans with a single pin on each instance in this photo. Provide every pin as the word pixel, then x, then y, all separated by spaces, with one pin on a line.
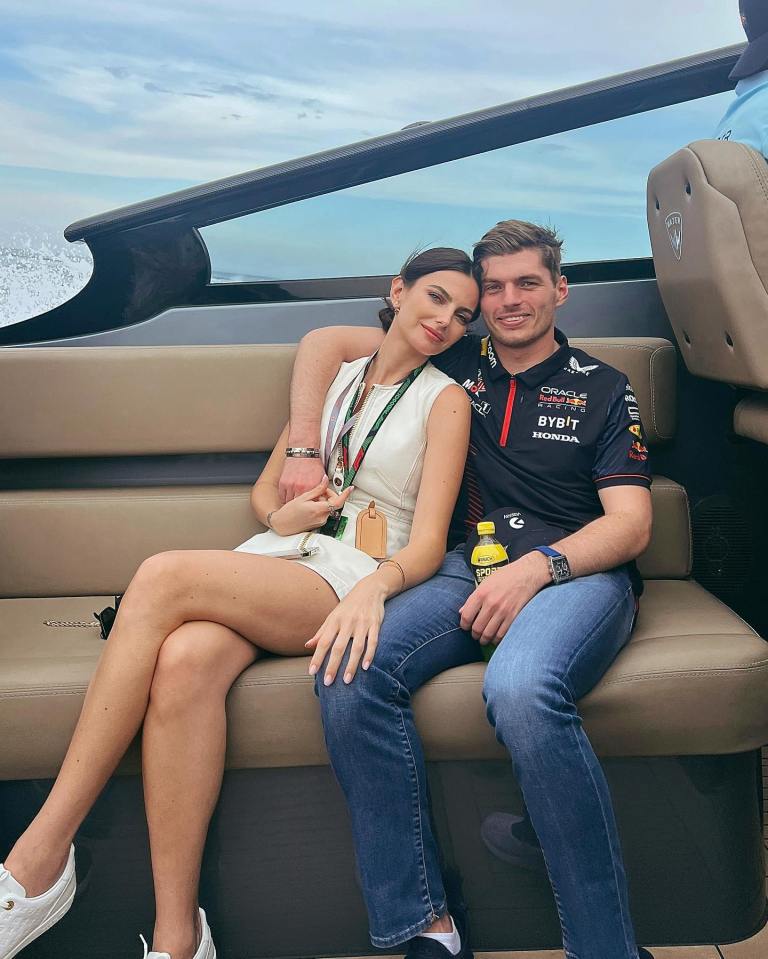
pixel 554 653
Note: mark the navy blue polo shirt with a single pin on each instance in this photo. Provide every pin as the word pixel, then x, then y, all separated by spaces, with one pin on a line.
pixel 547 439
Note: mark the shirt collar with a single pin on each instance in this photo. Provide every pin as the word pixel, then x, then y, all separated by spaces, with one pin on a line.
pixel 535 375
pixel 749 83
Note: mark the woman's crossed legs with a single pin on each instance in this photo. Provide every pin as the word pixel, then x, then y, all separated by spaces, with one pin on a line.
pixel 188 624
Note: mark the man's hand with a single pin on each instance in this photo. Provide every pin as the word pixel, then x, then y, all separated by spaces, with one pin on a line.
pixel 299 476
pixel 492 608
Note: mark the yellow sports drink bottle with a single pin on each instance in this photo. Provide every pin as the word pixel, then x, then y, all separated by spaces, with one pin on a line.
pixel 487 556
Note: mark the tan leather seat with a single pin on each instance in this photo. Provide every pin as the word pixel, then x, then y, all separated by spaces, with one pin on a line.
pixel 691 681
pixel 708 219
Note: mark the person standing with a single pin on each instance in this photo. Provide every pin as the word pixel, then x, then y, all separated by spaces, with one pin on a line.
pixel 746 119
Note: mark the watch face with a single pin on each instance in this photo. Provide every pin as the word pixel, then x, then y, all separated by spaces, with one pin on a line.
pixel 561 571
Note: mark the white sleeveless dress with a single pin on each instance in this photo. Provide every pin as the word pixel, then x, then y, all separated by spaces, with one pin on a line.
pixel 390 473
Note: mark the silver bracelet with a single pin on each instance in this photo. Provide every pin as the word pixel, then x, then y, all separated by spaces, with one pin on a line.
pixel 268 520
pixel 303 452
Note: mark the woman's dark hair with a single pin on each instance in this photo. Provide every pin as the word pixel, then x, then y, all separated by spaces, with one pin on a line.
pixel 422 264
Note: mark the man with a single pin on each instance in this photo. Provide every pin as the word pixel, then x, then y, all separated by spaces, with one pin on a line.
pixel 555 433
pixel 746 119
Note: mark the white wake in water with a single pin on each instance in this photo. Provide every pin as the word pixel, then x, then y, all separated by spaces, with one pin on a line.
pixel 39 271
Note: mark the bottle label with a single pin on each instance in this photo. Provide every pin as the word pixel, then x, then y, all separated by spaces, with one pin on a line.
pixel 486 559
pixel 488 554
pixel 482 571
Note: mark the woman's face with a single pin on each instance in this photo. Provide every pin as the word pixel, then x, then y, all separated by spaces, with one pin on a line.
pixel 434 312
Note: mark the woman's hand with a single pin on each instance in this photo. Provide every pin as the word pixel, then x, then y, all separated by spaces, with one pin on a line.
pixel 357 618
pixel 308 511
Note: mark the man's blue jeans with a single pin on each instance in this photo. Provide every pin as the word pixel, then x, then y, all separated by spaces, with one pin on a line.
pixel 554 653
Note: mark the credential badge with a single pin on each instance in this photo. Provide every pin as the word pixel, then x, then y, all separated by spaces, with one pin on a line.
pixel 674 224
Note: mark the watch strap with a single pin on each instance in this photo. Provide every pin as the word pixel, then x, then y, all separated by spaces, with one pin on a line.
pixel 548 551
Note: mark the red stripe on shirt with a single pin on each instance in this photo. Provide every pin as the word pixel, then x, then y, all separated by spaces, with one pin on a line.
pixel 508 412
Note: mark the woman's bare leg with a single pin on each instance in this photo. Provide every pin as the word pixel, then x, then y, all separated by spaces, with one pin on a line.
pixel 183 746
pixel 272 603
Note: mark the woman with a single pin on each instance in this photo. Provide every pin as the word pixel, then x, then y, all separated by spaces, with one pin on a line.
pixel 191 621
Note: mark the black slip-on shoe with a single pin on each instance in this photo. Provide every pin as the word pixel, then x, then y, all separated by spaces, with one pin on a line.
pixel 512 839
pixel 422 948
pixel 643 953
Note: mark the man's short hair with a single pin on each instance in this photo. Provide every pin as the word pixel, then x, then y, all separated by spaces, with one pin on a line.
pixel 512 236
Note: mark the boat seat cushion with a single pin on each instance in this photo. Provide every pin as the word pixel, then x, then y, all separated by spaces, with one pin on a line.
pixel 691 681
pixel 81 542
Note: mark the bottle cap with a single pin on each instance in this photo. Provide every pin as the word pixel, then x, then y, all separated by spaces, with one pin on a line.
pixel 486 529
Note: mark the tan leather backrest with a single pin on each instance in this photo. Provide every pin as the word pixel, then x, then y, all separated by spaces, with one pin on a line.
pixel 670 553
pixel 708 220
pixel 142 400
pixel 650 364
pixel 132 401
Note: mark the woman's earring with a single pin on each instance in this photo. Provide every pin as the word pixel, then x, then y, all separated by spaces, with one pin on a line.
pixel 395 310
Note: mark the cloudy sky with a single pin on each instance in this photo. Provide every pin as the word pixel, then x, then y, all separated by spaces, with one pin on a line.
pixel 104 103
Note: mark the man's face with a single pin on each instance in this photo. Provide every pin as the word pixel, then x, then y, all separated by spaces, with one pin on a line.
pixel 519 298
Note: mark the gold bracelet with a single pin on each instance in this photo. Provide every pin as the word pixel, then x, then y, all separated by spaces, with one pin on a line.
pixel 394 562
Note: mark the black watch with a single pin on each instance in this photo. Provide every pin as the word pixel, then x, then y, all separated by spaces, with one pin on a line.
pixel 559 569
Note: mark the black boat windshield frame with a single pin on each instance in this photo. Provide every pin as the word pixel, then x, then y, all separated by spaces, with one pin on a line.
pixel 149 256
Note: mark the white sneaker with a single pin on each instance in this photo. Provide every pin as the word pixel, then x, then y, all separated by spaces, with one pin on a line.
pixel 206 949
pixel 22 918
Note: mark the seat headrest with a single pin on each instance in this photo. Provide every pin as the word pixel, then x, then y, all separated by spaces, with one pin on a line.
pixel 650 364
pixel 708 220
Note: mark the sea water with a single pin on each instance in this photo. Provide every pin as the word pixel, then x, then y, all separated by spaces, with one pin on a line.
pixel 39 271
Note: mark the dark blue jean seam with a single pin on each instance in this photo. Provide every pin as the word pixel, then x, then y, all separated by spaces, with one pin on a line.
pixel 558 905
pixel 588 639
pixel 614 852
pixel 416 808
pixel 396 689
pixel 416 794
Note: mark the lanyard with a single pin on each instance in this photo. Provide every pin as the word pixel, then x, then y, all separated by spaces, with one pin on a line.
pixel 337 523
pixel 350 472
pixel 330 439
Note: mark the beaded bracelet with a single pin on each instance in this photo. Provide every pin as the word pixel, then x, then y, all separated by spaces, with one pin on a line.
pixel 394 562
